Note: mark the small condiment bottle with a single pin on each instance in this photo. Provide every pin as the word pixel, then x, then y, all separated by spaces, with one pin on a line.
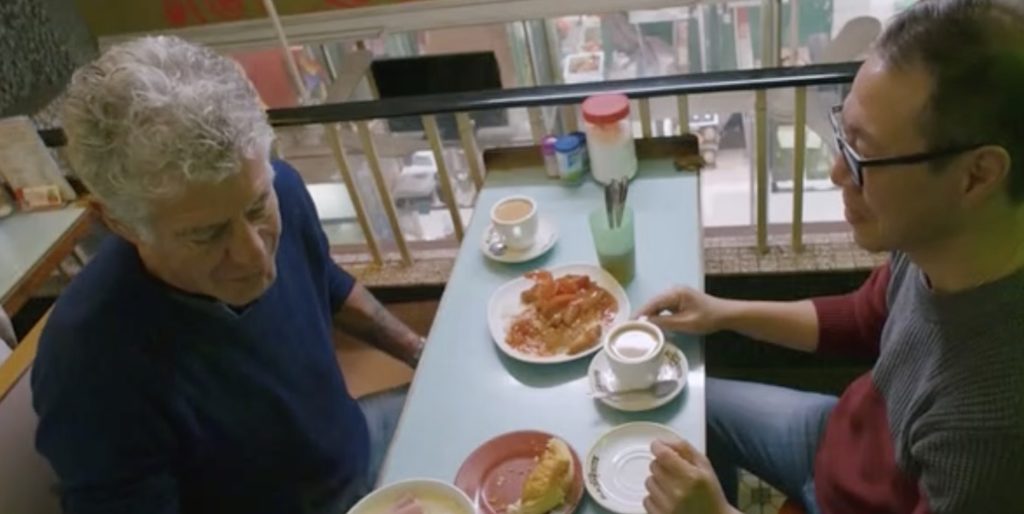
pixel 569 151
pixel 547 149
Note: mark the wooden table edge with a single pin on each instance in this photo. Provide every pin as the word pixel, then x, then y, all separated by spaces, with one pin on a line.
pixel 12 369
pixel 19 294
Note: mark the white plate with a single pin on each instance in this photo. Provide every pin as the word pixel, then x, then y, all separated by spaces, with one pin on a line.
pixel 673 367
pixel 547 236
pixel 505 305
pixel 619 464
pixel 444 497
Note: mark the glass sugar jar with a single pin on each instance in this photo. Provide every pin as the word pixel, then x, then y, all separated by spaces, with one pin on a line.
pixel 609 137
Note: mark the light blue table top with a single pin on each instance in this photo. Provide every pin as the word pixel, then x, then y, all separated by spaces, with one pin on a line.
pixel 466 391
pixel 26 237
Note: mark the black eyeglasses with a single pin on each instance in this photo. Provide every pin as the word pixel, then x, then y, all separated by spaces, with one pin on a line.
pixel 856 163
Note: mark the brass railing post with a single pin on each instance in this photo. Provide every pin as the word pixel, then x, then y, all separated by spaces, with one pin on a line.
pixel 470 149
pixel 683 106
pixel 373 161
pixel 341 159
pixel 799 153
pixel 762 145
pixel 645 118
pixel 434 136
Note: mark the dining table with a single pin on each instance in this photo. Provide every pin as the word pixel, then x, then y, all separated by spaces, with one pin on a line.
pixel 32 244
pixel 466 391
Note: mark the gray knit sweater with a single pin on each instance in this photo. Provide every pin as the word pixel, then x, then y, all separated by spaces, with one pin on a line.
pixel 938 424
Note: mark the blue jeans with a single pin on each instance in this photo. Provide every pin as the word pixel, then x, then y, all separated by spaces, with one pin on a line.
pixel 382 411
pixel 773 432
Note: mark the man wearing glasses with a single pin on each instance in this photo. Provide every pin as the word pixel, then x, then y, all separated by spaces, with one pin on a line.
pixel 931 144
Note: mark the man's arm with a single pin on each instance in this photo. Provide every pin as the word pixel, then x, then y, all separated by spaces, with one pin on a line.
pixel 849 324
pixel 355 310
pixel 363 316
pixel 789 324
pixel 845 324
pixel 682 309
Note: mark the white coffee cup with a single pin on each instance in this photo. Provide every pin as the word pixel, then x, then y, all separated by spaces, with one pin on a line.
pixel 515 221
pixel 634 351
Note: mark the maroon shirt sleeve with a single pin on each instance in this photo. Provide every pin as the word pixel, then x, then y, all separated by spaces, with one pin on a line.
pixel 851 324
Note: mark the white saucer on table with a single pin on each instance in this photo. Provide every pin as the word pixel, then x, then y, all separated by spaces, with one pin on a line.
pixel 547 236
pixel 674 366
pixel 619 464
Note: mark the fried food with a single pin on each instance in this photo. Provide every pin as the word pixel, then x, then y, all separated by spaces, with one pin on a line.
pixel 426 503
pixel 566 315
pixel 407 505
pixel 548 482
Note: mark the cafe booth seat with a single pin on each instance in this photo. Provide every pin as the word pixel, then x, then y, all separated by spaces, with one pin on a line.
pixel 28 484
pixel 368 370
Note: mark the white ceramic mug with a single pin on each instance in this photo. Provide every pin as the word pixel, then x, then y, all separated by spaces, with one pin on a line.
pixel 515 221
pixel 634 350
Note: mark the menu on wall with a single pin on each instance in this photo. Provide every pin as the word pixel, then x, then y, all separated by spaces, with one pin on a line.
pixel 28 167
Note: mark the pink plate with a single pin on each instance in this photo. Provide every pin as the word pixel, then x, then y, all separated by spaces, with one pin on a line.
pixel 493 475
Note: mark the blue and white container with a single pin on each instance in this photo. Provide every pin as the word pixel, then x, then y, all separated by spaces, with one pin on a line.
pixel 586 154
pixel 570 152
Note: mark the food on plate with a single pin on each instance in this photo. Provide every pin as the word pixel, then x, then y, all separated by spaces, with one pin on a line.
pixel 548 482
pixel 561 316
pixel 407 505
pixel 424 502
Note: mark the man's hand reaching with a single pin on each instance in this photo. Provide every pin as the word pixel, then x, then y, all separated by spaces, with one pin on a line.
pixel 683 309
pixel 683 482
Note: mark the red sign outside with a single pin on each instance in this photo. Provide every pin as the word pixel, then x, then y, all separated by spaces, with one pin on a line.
pixel 110 17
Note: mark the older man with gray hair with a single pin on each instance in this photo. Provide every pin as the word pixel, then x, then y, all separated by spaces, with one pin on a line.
pixel 190 367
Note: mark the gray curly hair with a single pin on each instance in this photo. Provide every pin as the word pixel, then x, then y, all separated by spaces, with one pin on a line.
pixel 154 114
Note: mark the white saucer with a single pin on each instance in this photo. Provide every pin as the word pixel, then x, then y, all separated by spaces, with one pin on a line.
pixel 547 236
pixel 619 464
pixel 674 367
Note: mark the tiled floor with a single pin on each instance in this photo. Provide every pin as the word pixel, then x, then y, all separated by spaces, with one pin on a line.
pixel 757 497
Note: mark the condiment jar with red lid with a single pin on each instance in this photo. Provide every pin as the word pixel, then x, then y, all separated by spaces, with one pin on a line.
pixel 609 137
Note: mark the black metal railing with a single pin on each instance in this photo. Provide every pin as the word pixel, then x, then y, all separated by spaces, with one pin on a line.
pixel 758 81
pixel 700 83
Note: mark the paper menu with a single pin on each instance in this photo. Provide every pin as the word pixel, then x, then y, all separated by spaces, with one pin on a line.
pixel 29 168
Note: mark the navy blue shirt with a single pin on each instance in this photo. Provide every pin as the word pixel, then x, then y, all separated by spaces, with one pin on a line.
pixel 151 401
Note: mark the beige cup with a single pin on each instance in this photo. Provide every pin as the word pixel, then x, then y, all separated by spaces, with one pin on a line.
pixel 634 351
pixel 515 221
